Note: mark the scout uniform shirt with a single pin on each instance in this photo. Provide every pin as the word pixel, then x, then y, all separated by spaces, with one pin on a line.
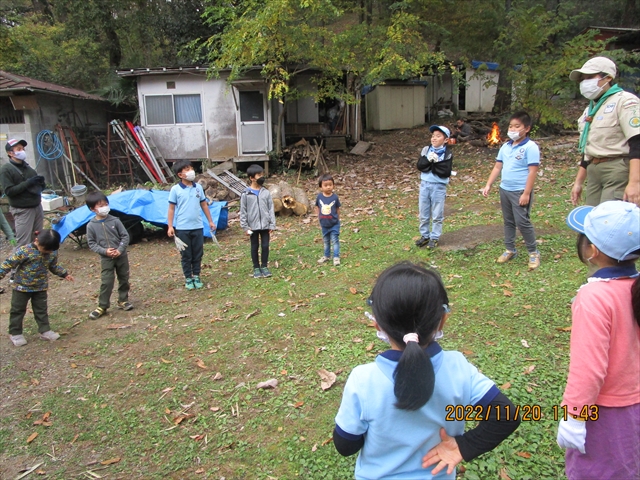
pixel 615 122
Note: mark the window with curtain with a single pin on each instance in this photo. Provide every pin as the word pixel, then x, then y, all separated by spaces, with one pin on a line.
pixel 173 109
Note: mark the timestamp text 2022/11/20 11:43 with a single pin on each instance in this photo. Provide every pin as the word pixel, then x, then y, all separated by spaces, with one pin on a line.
pixel 526 413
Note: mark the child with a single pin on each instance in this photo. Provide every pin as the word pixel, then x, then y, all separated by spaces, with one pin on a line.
pixel 601 403
pixel 186 199
pixel 30 282
pixel 108 238
pixel 435 163
pixel 518 161
pixel 258 219
pixel 396 409
pixel 328 211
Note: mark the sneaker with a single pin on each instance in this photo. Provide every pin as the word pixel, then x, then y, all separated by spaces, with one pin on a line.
pixel 18 340
pixel 188 284
pixel 97 313
pixel 11 276
pixel 50 335
pixel 506 256
pixel 257 273
pixel 534 260
pixel 1 289
pixel 266 273
pixel 125 306
pixel 433 243
pixel 322 260
pixel 197 282
pixel 422 242
pixel 336 261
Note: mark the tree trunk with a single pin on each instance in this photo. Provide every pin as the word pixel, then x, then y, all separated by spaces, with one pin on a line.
pixel 280 126
pixel 503 94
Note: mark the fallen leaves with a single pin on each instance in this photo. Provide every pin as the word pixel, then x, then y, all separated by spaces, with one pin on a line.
pixel 529 369
pixel 353 290
pixel 165 361
pixel 564 329
pixel 118 326
pixel 181 315
pixel 200 364
pixel 44 421
pixel 110 461
pixel 327 379
pixel 505 386
pixel 524 343
pixel 271 383
pixel 182 417
pixel 32 437
pixel 507 293
pixel 502 474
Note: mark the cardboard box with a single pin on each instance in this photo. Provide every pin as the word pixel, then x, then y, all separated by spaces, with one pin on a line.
pixel 49 204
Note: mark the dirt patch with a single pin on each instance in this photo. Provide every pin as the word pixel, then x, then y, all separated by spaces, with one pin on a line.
pixel 470 237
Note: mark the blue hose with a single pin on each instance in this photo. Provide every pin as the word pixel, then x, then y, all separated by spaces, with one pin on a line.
pixel 49 146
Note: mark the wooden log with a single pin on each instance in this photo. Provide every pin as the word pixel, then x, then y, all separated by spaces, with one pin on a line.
pixel 275 190
pixel 286 212
pixel 301 197
pixel 300 209
pixel 285 189
pixel 277 205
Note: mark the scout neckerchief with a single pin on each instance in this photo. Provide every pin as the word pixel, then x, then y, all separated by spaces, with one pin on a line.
pixel 591 111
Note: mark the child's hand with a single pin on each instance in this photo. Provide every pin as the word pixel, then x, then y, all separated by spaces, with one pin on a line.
pixel 445 454
pixel 69 278
pixel 170 232
pixel 485 190
pixel 212 226
pixel 524 199
pixel 115 253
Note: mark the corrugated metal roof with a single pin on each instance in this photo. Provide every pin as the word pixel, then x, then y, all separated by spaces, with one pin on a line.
pixel 10 82
pixel 137 72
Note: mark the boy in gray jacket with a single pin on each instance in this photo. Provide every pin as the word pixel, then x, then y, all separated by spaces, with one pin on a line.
pixel 258 219
pixel 107 237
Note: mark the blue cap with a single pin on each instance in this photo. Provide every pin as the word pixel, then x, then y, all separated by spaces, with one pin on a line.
pixel 442 128
pixel 613 227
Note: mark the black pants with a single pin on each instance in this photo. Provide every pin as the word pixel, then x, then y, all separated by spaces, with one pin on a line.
pixel 264 243
pixel 19 302
pixel 191 256
pixel 110 268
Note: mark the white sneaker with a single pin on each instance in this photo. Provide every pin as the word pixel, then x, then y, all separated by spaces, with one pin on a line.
pixel 336 261
pixel 50 335
pixel 18 340
pixel 322 260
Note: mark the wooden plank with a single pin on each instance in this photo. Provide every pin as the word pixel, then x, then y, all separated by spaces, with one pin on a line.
pixel 360 148
pixel 336 144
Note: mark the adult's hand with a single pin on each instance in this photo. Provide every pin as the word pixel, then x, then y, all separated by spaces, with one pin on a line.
pixel 445 454
pixel 632 193
pixel 576 195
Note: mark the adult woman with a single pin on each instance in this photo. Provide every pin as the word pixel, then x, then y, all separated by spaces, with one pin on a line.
pixel 609 137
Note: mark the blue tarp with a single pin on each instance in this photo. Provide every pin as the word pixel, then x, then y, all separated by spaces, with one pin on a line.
pixel 151 205
pixel 490 65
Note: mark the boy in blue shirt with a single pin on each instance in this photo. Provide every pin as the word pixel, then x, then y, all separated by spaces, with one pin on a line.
pixel 518 161
pixel 435 164
pixel 328 211
pixel 186 199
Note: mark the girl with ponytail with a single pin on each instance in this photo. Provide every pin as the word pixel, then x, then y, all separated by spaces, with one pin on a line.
pixel 399 412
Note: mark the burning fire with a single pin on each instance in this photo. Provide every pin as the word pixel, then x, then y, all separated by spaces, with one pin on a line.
pixel 493 137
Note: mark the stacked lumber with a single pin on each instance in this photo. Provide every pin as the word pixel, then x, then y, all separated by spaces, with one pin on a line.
pixel 288 200
pixel 304 155
pixel 213 190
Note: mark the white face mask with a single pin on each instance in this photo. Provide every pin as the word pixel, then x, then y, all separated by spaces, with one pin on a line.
pixel 104 211
pixel 20 155
pixel 590 89
pixel 190 176
pixel 513 135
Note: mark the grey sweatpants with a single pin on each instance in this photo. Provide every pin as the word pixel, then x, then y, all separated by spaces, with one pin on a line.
pixel 516 216
pixel 27 222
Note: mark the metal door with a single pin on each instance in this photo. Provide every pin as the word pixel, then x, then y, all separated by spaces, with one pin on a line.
pixel 253 127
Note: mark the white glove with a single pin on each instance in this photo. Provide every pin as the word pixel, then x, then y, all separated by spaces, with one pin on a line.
pixel 215 240
pixel 180 245
pixel 432 156
pixel 572 433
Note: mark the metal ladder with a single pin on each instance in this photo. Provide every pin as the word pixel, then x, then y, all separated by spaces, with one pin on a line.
pixel 153 150
pixel 229 180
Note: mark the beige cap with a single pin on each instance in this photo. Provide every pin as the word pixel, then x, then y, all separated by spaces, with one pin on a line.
pixel 595 65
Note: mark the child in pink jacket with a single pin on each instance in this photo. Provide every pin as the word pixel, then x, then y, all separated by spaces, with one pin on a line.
pixel 601 403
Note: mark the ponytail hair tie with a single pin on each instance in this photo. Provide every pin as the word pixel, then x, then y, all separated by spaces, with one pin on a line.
pixel 410 337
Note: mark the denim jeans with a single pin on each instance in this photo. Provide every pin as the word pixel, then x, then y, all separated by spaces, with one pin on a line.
pixel 431 206
pixel 191 257
pixel 331 237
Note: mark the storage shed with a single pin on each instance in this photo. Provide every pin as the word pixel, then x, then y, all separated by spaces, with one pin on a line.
pixel 392 106
pixel 481 88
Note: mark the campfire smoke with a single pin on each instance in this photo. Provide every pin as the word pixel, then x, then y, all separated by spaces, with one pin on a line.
pixel 493 137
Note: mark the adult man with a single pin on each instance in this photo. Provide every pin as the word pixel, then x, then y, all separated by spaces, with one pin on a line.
pixel 609 137
pixel 23 186
pixel 462 131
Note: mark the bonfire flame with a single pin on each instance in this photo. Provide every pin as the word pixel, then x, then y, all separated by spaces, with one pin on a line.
pixel 493 137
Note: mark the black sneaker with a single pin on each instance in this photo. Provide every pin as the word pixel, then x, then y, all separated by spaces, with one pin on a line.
pixel 433 243
pixel 257 273
pixel 266 273
pixel 422 242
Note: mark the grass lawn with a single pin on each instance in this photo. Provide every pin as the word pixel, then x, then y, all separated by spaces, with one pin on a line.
pixel 172 392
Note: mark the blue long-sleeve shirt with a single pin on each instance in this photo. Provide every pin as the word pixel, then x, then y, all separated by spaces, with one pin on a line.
pixel 31 268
